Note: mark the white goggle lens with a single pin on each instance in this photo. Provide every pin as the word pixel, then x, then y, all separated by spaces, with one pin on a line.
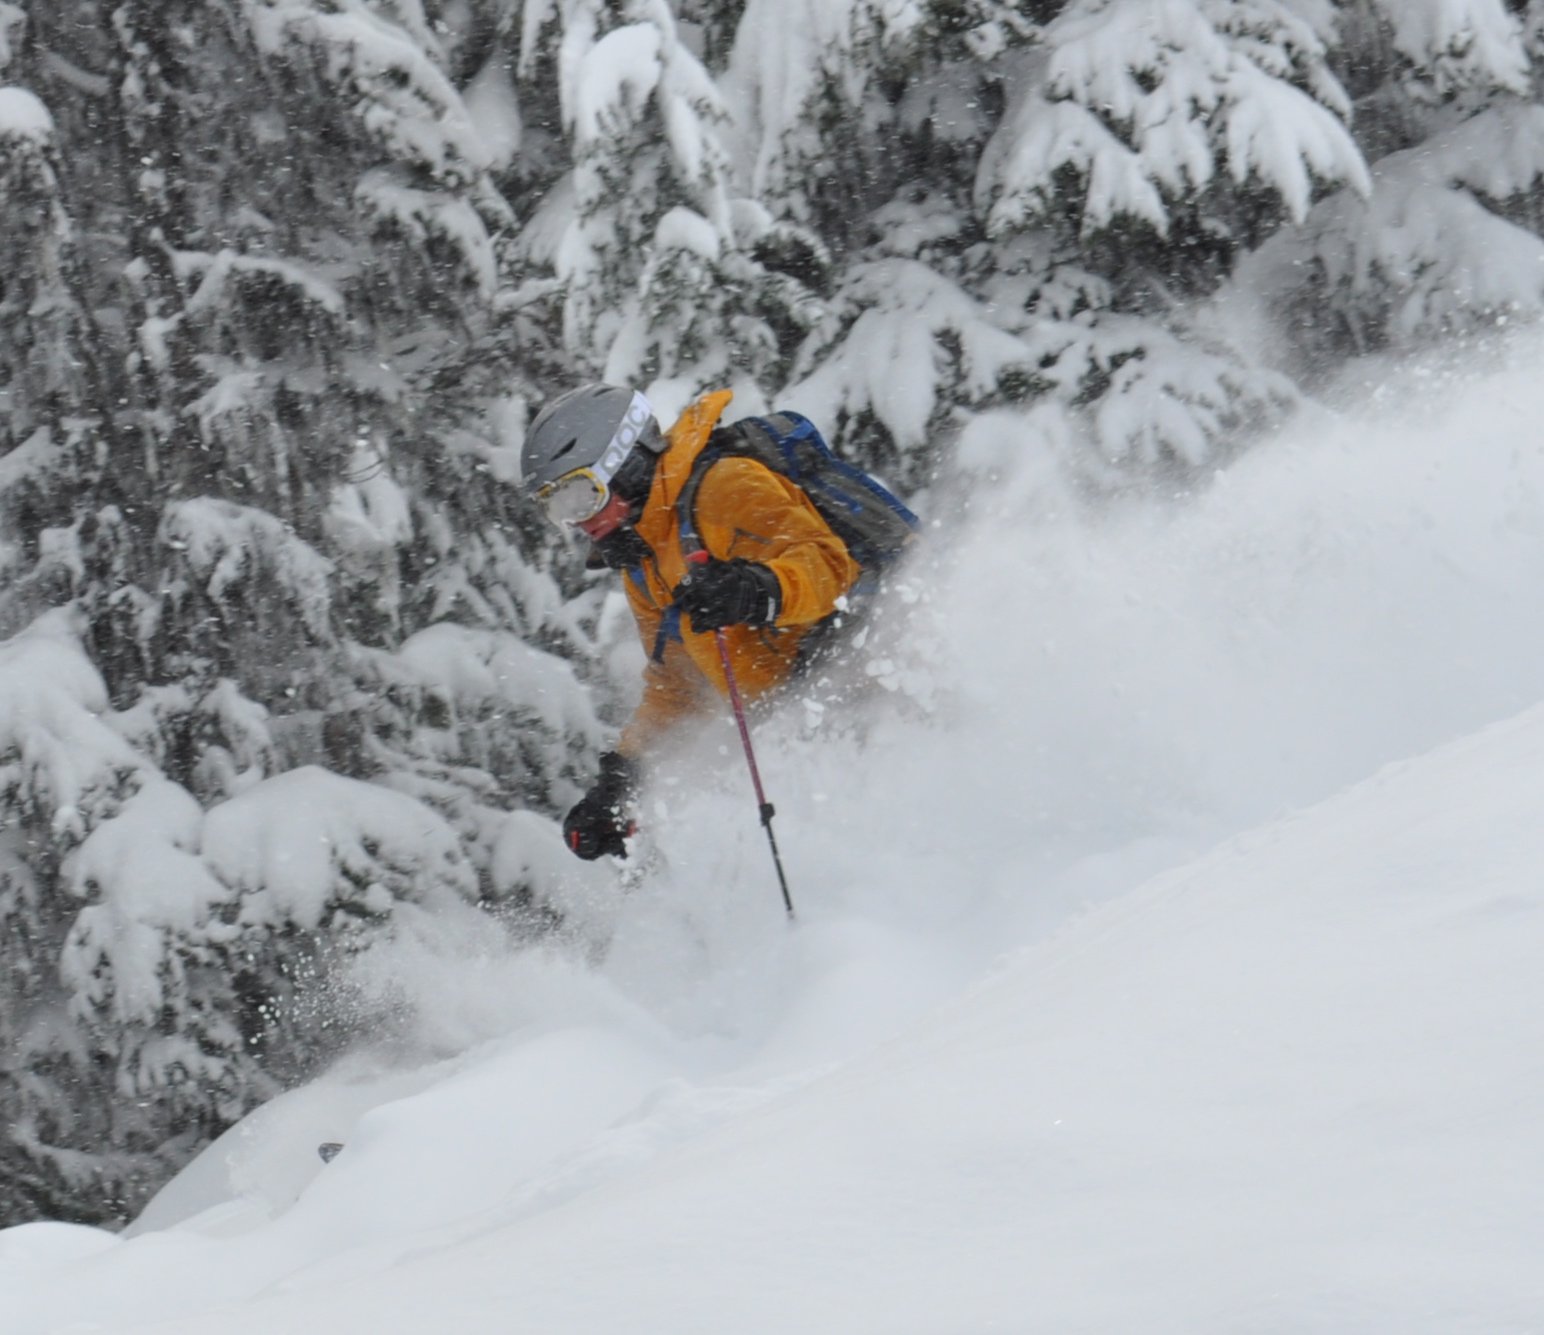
pixel 574 498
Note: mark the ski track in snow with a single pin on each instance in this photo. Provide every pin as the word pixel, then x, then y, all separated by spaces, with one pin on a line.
pixel 988 1082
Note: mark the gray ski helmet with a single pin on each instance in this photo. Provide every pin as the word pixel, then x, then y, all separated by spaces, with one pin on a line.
pixel 580 428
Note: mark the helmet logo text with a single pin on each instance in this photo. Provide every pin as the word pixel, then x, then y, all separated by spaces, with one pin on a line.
pixel 633 424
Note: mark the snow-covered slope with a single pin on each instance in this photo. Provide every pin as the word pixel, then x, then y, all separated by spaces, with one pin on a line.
pixel 1293 1086
pixel 1034 1058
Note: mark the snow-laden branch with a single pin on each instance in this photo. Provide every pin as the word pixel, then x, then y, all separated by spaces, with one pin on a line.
pixel 1423 257
pixel 1498 154
pixel 1017 180
pixel 1174 399
pixel 482 669
pixel 13 21
pixel 1278 135
pixel 398 93
pixel 1143 103
pixel 653 224
pixel 613 82
pixel 369 513
pixel 1459 43
pixel 917 342
pixel 224 268
pixel 227 545
pixel 24 119
pixel 430 215
pixel 315 849
pixel 786 54
pixel 57 754
pixel 149 899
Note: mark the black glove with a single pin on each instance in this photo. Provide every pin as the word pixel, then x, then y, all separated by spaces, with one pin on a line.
pixel 599 824
pixel 729 593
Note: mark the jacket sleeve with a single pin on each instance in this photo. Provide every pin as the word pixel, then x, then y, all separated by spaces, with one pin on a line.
pixel 747 511
pixel 673 688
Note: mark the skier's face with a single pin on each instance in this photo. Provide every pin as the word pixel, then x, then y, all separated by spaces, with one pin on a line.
pixel 611 516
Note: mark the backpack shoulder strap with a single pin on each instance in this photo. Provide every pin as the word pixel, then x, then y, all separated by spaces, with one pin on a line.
pixel 669 628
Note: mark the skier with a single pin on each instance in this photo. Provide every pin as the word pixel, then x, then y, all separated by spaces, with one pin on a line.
pixel 758 562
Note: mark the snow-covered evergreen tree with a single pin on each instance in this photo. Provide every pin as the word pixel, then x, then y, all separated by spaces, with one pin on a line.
pixel 41 339
pixel 1146 147
pixel 270 410
pixel 1448 241
pixel 668 272
pixel 1071 187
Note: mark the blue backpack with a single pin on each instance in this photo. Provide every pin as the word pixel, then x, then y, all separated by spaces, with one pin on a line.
pixel 873 523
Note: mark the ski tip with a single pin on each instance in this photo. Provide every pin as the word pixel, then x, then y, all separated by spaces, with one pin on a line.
pixel 329 1150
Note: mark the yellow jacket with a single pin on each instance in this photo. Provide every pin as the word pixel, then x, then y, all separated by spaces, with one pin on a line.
pixel 743 510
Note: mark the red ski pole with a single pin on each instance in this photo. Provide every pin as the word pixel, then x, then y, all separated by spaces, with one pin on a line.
pixel 766 808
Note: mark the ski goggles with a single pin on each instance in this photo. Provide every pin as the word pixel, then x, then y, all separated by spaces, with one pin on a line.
pixel 575 498
pixel 580 495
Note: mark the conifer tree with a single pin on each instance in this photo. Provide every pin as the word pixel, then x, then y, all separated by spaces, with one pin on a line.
pixel 270 414
pixel 663 264
pixel 1448 242
pixel 282 280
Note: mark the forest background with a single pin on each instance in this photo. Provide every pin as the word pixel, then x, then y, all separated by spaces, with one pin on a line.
pixel 288 664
